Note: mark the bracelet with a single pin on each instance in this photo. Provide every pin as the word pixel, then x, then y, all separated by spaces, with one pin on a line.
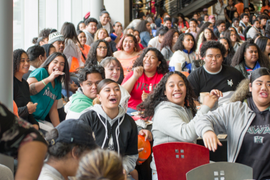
pixel 44 82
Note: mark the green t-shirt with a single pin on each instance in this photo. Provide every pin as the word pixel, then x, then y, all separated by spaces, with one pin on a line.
pixel 45 98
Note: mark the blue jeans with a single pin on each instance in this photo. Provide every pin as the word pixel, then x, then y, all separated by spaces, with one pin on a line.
pixel 130 110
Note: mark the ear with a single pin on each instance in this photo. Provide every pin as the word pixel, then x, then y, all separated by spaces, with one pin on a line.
pixel 73 153
pixel 159 62
pixel 250 87
pixel 165 93
pixel 40 58
pixel 99 98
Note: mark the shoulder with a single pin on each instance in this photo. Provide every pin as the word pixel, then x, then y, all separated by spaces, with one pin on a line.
pixel 233 70
pixel 39 72
pixel 117 54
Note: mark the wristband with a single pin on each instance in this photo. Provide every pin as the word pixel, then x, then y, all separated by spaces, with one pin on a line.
pixel 44 82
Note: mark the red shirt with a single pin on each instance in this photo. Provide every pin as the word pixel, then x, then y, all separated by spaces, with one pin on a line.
pixel 142 84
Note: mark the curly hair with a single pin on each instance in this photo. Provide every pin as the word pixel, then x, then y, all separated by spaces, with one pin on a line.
pixel 17 59
pixel 119 45
pixel 179 43
pixel 92 55
pixel 168 38
pixel 141 27
pixel 83 72
pixel 239 55
pixel 231 51
pixel 163 68
pixel 212 44
pixel 153 100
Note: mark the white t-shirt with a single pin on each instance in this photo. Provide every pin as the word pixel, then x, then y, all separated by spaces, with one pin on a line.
pixel 155 43
pixel 50 173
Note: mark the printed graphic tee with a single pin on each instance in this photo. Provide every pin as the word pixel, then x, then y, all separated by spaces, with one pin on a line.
pixel 255 151
pixel 144 83
pixel 46 97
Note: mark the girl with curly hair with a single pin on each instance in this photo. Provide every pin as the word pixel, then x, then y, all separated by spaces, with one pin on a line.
pixel 172 107
pixel 148 70
pixel 99 50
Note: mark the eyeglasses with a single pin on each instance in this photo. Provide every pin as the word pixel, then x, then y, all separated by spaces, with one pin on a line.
pixel 102 47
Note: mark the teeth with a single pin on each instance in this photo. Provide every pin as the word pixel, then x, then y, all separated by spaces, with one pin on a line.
pixel 177 95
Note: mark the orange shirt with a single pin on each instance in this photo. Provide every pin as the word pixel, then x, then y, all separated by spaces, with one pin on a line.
pixel 85 51
pixel 127 64
pixel 15 109
pixel 265 7
pixel 240 8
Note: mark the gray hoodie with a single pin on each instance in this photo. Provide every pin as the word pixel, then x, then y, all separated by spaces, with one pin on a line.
pixel 173 123
pixel 233 119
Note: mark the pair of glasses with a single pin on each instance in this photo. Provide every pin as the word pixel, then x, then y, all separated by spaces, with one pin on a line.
pixel 102 47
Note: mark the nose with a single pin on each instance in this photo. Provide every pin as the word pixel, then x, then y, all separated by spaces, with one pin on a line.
pixel 94 86
pixel 263 87
pixel 114 71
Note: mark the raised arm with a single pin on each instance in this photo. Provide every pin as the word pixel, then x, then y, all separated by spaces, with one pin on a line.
pixel 36 86
pixel 129 84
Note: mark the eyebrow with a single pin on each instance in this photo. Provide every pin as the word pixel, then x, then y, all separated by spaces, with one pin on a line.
pixel 261 81
pixel 173 81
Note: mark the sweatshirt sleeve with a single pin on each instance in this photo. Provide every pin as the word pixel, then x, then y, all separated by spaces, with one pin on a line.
pixel 169 122
pixel 217 120
pixel 129 162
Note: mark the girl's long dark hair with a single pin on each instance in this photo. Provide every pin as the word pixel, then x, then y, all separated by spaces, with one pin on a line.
pixel 239 55
pixel 63 78
pixel 231 51
pixel 153 100
pixel 168 38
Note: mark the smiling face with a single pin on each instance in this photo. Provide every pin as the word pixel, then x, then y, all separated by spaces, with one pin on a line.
pixel 150 62
pixel 260 91
pixel 251 55
pixel 168 24
pixel 213 60
pixel 175 90
pixel 92 27
pixel 24 65
pixel 112 71
pixel 59 46
pixel 104 19
pixel 110 96
pixel 128 44
pixel 267 48
pixel 57 64
pixel 82 38
pixel 89 86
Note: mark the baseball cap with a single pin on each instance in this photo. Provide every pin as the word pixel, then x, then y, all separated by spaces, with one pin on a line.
pixel 75 131
pixel 211 16
pixel 56 36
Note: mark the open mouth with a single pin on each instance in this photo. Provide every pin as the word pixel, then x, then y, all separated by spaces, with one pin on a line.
pixel 264 95
pixel 178 95
pixel 113 100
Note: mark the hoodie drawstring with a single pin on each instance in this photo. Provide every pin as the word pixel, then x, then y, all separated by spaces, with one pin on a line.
pixel 106 131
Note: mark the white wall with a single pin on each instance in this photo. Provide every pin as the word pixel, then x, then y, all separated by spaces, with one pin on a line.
pixel 35 15
pixel 119 10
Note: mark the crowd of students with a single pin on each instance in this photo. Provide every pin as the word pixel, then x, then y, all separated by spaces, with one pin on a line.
pixel 191 77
